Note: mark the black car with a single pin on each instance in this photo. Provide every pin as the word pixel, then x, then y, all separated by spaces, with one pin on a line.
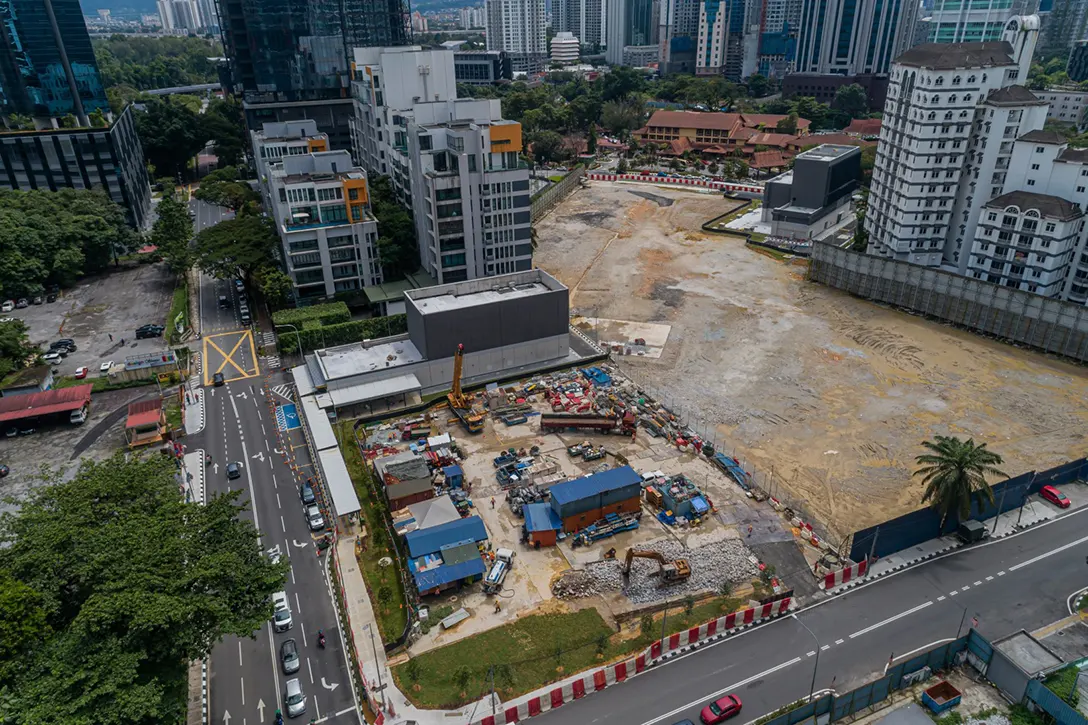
pixel 148 331
pixel 63 346
pixel 51 297
pixel 233 471
pixel 218 380
pixel 306 493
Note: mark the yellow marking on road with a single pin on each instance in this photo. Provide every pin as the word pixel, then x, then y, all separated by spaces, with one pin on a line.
pixel 228 358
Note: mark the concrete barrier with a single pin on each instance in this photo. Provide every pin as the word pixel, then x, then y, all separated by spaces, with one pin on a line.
pixel 731 187
pixel 835 578
pixel 613 674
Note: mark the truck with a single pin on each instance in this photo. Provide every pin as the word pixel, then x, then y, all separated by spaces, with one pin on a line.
pixel 504 559
pixel 600 422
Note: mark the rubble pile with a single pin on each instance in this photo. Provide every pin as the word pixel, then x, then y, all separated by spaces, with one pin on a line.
pixel 574 584
pixel 710 566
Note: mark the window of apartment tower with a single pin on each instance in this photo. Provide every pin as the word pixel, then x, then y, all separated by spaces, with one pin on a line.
pixel 353 194
pixel 425 143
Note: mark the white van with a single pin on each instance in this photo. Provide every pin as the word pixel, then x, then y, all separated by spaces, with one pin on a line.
pixel 78 417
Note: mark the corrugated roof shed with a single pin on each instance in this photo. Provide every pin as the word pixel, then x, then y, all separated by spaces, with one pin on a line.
pixel 540 517
pixel 428 541
pixel 595 485
pixel 427 580
pixel 144 412
pixel 17 407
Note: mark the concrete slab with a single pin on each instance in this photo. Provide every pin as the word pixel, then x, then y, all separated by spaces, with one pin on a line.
pixel 1028 653
pixel 623 333
pixel 912 714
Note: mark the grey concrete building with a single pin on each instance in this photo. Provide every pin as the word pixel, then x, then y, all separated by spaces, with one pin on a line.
pixel 109 158
pixel 813 198
pixel 510 325
pixel 482 67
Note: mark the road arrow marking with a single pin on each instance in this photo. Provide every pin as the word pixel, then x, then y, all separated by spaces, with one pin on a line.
pixel 259 455
pixel 243 395
pixel 301 546
pixel 215 468
pixel 277 451
pixel 327 686
pixel 260 708
pixel 226 716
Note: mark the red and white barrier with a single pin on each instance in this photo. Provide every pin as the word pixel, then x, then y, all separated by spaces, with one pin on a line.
pixel 603 677
pixel 705 183
pixel 835 578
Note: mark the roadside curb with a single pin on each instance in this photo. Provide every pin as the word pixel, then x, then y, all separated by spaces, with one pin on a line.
pixel 899 567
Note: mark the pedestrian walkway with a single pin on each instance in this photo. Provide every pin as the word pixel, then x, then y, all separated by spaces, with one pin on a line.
pixel 194 411
pixel 192 474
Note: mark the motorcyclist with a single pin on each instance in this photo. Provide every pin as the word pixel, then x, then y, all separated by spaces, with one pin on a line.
pixel 321 639
pixel 279 717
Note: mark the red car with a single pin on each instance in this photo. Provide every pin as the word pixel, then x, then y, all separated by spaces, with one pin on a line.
pixel 1054 496
pixel 81 373
pixel 720 710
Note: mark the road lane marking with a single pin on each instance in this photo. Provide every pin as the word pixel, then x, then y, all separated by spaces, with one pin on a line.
pixel 311 669
pixel 989 578
pixel 283 525
pixel 298 607
pixel 344 711
pixel 278 504
pixel 978 583
pixel 809 654
pixel 242 683
pixel 941 598
pixel 316 707
pixel 964 588
pixel 953 593
pixel 302 626
pixel 252 495
pixel 723 691
pixel 825 648
pixel 891 619
pixel 838 641
pixel 239 653
pixel 275 666
pixel 1060 549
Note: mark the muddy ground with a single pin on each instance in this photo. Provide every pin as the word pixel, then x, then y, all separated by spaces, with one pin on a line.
pixel 825 395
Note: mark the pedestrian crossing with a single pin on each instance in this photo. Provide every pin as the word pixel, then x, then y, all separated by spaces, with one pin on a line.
pixel 198 367
pixel 284 391
pixel 272 362
pixel 269 338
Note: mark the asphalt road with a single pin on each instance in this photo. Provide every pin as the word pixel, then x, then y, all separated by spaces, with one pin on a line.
pixel 1020 582
pixel 246 680
pixel 207 215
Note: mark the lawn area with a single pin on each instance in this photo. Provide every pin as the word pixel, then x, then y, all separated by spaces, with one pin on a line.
pixel 1063 683
pixel 173 412
pixel 383 582
pixel 101 384
pixel 178 305
pixel 534 651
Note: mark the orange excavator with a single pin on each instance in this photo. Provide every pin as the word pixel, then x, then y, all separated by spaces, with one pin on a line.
pixel 671 571
pixel 460 403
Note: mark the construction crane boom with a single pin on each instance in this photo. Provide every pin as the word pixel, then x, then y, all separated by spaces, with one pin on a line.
pixel 456 397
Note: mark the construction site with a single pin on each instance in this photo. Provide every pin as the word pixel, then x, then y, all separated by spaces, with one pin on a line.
pixel 822 398
pixel 570 490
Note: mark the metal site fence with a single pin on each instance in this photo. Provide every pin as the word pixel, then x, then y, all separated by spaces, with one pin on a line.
pixel 691 416
pixel 864 699
pixel 546 200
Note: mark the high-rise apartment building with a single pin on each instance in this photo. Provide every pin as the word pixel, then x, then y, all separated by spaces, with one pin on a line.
pixel 519 28
pixel 1065 22
pixel 852 37
pixel 321 206
pixel 454 162
pixel 678 32
pixel 952 118
pixel 290 61
pixel 585 19
pixel 630 23
pixel 1077 67
pixel 473 17
pixel 564 50
pixel 955 21
pixel 47 65
pixel 728 40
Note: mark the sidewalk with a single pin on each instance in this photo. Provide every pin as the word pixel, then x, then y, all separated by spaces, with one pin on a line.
pixel 194 412
pixel 192 474
pixel 1034 512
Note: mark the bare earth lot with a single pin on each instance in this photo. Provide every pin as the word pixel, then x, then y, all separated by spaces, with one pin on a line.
pixel 830 392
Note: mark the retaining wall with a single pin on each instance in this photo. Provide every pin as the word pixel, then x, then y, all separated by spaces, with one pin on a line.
pixel 724 186
pixel 547 200
pixel 1022 317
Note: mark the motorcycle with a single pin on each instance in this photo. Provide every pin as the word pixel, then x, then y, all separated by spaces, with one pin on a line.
pixel 279 718
pixel 207 460
pixel 320 639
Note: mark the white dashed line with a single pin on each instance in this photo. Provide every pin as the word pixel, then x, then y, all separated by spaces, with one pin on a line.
pixel 838 641
pixel 825 648
pixel 989 578
pixel 952 594
pixel 1001 573
pixel 941 598
pixel 978 583
pixel 964 588
pixel 810 654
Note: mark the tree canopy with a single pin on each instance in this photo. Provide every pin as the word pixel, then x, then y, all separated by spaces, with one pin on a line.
pixel 398 249
pixel 110 584
pixel 15 347
pixel 171 135
pixel 146 63
pixel 243 247
pixel 173 232
pixel 55 237
pixel 954 472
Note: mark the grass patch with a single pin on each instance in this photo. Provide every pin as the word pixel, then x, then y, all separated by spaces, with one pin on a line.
pixel 178 305
pixel 536 650
pixel 1063 683
pixel 383 582
pixel 556 178
pixel 103 384
pixel 173 413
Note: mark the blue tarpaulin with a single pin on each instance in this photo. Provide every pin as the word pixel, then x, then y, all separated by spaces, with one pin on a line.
pixel 427 580
pixel 428 541
pixel 699 505
pixel 540 517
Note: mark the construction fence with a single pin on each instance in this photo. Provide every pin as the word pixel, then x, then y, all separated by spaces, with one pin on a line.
pixel 1008 314
pixel 924 524
pixel 546 200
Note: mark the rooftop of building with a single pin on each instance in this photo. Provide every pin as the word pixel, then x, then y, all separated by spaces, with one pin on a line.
pixel 345 361
pixel 316 166
pixel 828 152
pixel 1044 137
pixel 950 56
pixel 864 126
pixel 483 291
pixel 1073 156
pixel 595 485
pixel 1014 96
pixel 300 130
pixel 715 120
pixel 1053 207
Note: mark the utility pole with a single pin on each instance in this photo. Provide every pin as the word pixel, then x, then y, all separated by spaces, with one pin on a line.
pixel 491 676
pixel 1000 507
pixel 664 618
pixel 1024 498
pixel 872 549
pixel 377 665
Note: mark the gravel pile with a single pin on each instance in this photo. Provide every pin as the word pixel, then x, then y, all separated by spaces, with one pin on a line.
pixel 574 584
pixel 995 719
pixel 710 566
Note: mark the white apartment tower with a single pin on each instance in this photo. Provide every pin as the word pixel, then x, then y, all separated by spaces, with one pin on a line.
pixel 321 205
pixel 950 122
pixel 850 37
pixel 454 162
pixel 520 28
pixel 565 49
pixel 585 19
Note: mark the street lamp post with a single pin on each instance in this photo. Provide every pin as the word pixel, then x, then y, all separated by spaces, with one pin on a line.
pixel 297 337
pixel 816 665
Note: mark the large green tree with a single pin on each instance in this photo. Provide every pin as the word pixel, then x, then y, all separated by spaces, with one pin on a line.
pixel 852 100
pixel 622 117
pixel 398 249
pixel 226 127
pixel 954 472
pixel 146 63
pixel 126 583
pixel 171 134
pixel 15 347
pixel 55 237
pixel 241 247
pixel 173 233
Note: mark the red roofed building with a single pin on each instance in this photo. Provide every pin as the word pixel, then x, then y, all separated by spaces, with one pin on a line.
pixel 768 160
pixel 50 402
pixel 679 131
pixel 864 127
pixel 146 423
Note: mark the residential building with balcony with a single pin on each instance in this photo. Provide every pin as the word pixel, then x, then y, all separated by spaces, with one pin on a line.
pixel 277 140
pixel 321 205
pixel 455 162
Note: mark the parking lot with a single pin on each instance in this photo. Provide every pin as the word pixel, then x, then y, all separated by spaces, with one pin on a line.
pixel 113 304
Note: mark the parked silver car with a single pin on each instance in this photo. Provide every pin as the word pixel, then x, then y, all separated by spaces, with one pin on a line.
pixel 293 699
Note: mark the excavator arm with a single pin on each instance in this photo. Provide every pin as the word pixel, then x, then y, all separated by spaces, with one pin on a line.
pixel 633 554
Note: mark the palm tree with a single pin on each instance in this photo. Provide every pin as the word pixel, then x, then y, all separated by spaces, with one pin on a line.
pixel 954 472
